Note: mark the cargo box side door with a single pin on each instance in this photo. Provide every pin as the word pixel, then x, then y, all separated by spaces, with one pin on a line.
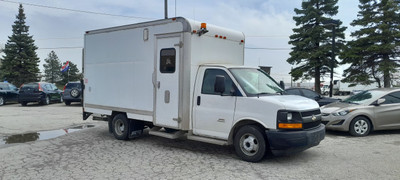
pixel 167 81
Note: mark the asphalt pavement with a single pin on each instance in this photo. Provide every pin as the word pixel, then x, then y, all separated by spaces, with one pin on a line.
pixel 93 153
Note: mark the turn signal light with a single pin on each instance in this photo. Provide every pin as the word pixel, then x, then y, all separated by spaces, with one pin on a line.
pixel 290 125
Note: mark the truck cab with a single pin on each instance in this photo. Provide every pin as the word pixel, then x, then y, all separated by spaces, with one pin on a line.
pixel 244 106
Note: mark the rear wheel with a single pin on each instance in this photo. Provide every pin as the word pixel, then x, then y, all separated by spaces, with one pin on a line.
pixel 120 127
pixel 23 103
pixel 250 143
pixel 46 100
pixel 360 126
pixel 2 101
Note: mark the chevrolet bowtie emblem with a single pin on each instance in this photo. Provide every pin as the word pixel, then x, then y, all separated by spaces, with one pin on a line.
pixel 313 118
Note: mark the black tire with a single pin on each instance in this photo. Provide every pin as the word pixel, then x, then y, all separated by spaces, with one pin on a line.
pixel 46 101
pixel 23 103
pixel 250 144
pixel 61 99
pixel 67 103
pixel 74 93
pixel 360 126
pixel 120 127
pixel 2 101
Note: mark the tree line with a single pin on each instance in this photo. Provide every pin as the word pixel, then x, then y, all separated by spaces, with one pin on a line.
pixel 20 64
pixel 373 54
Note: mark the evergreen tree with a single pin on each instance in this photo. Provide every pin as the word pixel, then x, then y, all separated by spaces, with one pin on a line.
pixel 20 63
pixel 52 68
pixel 312 48
pixel 71 75
pixel 374 54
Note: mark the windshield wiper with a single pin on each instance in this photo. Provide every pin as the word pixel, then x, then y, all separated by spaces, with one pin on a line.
pixel 349 102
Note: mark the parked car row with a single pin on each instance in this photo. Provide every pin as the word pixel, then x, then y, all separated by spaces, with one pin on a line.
pixel 359 114
pixel 41 92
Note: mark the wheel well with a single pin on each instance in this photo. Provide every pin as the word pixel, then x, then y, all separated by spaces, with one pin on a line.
pixel 117 112
pixel 366 117
pixel 241 124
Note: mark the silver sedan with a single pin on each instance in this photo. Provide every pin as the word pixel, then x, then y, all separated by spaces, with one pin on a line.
pixel 377 109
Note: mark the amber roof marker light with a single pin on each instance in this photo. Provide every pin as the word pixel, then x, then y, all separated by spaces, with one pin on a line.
pixel 203 29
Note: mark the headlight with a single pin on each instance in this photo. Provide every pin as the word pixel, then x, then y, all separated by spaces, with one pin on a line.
pixel 289 116
pixel 343 113
pixel 289 120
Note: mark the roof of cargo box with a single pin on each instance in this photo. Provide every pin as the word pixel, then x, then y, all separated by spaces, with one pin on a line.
pixel 188 26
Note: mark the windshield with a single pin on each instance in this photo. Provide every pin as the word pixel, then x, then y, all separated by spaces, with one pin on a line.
pixel 364 97
pixel 255 81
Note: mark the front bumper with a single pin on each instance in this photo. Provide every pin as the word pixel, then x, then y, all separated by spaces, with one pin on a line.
pixel 337 123
pixel 289 142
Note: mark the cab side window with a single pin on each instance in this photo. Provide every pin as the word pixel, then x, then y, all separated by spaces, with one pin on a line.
pixel 209 82
pixel 392 98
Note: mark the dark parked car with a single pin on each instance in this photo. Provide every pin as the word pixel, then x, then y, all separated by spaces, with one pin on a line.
pixel 8 93
pixel 308 93
pixel 72 92
pixel 41 92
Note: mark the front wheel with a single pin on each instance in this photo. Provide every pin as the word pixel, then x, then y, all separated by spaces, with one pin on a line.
pixel 120 127
pixel 360 126
pixel 61 99
pixel 250 143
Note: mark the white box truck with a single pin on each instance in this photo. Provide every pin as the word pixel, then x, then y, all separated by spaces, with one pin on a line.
pixel 179 78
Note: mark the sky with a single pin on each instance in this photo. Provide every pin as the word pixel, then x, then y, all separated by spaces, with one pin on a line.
pixel 59 25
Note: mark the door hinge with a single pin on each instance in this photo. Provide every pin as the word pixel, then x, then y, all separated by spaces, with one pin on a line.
pixel 180 44
pixel 177 119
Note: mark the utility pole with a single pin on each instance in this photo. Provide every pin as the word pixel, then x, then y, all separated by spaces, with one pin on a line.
pixel 332 23
pixel 166 9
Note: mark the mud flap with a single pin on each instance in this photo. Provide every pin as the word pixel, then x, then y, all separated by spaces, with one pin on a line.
pixel 136 128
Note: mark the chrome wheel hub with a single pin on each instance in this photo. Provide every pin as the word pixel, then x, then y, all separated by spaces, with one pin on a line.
pixel 119 127
pixel 361 127
pixel 249 144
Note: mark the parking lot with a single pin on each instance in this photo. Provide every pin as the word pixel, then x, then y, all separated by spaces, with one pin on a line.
pixel 93 153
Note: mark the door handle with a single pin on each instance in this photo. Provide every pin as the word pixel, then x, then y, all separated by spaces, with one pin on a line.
pixel 198 100
pixel 158 84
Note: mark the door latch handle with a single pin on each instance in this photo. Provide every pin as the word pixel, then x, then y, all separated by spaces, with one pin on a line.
pixel 198 100
pixel 158 84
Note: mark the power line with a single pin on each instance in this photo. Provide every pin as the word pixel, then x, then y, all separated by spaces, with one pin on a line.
pixel 272 49
pixel 79 11
pixel 61 48
pixel 278 36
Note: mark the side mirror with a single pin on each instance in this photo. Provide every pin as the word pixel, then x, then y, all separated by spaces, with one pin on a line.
pixel 282 85
pixel 379 102
pixel 219 85
pixel 317 97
